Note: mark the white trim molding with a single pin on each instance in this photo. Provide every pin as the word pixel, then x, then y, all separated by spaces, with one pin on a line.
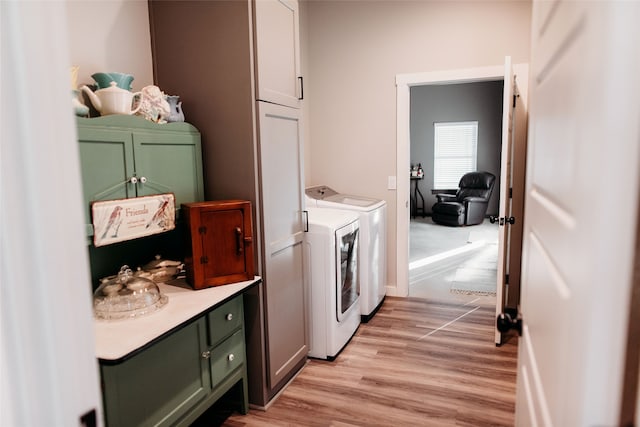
pixel 403 106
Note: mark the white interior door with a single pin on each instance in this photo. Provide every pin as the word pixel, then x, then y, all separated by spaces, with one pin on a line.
pixel 581 212
pixel 48 368
pixel 505 185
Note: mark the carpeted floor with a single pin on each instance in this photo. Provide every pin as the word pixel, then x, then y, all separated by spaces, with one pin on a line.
pixel 452 263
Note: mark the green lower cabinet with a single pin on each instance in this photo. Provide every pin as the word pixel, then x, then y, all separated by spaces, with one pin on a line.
pixel 172 382
pixel 161 384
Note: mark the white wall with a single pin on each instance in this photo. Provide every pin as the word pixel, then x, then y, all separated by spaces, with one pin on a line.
pixel 478 101
pixel 356 48
pixel 110 36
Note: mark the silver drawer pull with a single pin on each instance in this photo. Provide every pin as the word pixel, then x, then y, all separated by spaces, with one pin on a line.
pixel 231 357
pixel 229 316
pixel 206 354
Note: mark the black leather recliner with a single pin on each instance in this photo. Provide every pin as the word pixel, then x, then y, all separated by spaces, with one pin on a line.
pixel 469 205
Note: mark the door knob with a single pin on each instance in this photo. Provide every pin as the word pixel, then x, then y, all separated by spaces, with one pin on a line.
pixel 505 322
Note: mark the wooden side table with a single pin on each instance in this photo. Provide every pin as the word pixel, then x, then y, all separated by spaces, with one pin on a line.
pixel 417 200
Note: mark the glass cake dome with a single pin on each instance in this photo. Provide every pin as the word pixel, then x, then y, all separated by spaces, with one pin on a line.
pixel 126 295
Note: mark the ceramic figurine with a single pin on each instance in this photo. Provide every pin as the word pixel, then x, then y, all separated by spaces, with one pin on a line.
pixel 78 107
pixel 153 106
pixel 175 108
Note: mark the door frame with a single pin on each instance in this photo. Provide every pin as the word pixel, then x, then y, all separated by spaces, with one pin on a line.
pixel 403 118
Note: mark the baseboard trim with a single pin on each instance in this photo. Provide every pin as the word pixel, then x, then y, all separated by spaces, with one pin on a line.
pixel 277 395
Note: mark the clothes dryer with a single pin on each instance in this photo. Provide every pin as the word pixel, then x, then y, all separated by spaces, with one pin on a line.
pixel 373 237
pixel 334 307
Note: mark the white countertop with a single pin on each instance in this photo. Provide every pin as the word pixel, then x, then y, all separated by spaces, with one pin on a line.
pixel 117 338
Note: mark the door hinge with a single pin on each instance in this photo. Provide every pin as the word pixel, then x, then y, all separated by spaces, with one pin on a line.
pixel 89 419
pixel 506 279
pixel 511 193
pixel 514 101
pixel 202 230
pixel 502 220
pixel 204 259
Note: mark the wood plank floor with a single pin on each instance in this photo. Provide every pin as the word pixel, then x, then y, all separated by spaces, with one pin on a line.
pixel 416 363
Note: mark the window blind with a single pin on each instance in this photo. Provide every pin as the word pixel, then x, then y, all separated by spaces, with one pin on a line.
pixel 455 152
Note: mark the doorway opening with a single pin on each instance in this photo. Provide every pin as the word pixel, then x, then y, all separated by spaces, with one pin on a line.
pixel 453 263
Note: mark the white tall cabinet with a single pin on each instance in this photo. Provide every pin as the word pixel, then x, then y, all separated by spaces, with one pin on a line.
pixel 235 65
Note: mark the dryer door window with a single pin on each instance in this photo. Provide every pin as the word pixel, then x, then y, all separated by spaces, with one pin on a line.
pixel 348 282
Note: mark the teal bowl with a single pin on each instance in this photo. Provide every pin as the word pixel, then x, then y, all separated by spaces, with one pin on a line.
pixel 103 80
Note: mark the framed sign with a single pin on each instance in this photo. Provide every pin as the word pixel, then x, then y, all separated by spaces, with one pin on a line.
pixel 126 219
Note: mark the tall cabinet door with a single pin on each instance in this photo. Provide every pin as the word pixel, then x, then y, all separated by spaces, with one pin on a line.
pixel 278 52
pixel 282 205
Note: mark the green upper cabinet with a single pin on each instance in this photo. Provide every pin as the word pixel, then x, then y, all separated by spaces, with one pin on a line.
pixel 128 156
pixel 169 164
pixel 107 163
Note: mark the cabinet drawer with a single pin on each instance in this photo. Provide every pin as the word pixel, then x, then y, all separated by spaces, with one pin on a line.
pixel 226 357
pixel 224 320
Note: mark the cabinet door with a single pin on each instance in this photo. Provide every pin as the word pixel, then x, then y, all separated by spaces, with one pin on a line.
pixel 282 206
pixel 161 384
pixel 224 247
pixel 278 52
pixel 221 243
pixel 171 162
pixel 106 158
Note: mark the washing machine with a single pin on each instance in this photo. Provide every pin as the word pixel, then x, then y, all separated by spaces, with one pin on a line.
pixel 334 307
pixel 373 237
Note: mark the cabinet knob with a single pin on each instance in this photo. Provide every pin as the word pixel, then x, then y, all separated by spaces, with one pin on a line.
pixel 231 357
pixel 206 354
pixel 143 179
pixel 133 180
pixel 229 316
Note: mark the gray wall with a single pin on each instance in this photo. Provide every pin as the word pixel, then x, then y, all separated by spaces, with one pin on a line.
pixel 481 101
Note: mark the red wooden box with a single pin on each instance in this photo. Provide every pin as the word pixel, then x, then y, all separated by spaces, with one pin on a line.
pixel 219 248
